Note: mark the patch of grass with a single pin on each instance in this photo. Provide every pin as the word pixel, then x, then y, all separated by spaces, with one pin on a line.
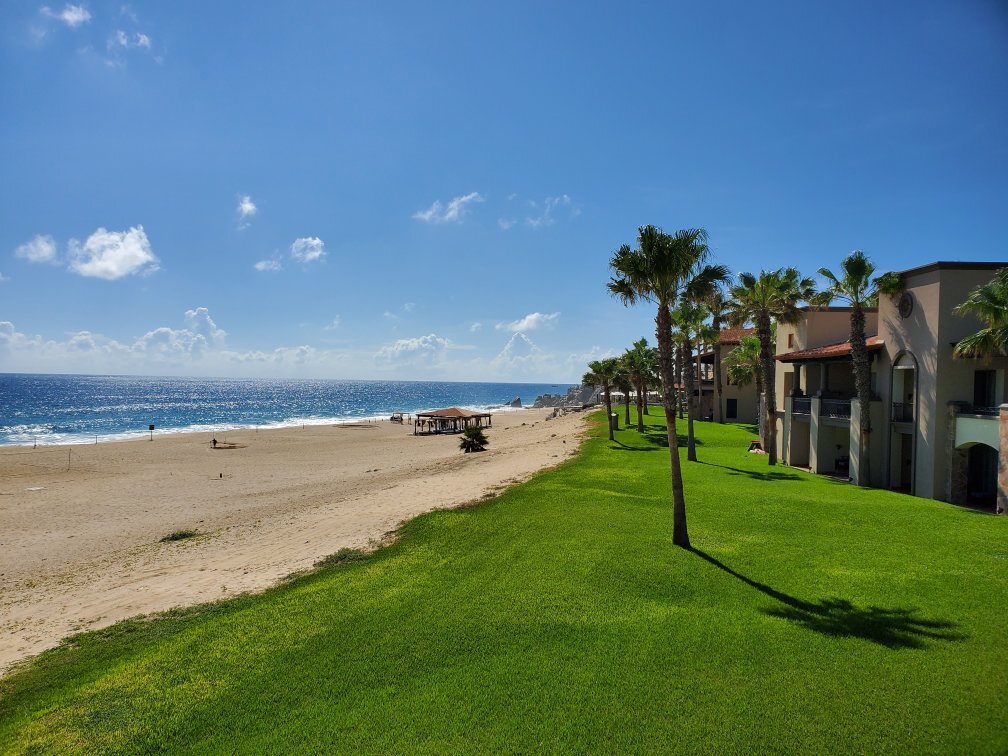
pixel 809 616
pixel 179 535
pixel 342 558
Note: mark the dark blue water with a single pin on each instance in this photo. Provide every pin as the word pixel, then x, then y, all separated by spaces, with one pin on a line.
pixel 60 409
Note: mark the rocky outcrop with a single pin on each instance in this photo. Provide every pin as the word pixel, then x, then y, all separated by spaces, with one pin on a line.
pixel 515 403
pixel 575 398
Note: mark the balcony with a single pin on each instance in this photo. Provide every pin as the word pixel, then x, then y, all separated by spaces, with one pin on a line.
pixel 801 406
pixel 837 408
pixel 982 411
pixel 902 412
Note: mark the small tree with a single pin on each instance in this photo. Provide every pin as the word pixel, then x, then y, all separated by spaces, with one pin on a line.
pixel 602 373
pixel 473 439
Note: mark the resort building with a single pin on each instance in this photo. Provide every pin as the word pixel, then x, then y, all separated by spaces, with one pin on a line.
pixel 739 404
pixel 936 422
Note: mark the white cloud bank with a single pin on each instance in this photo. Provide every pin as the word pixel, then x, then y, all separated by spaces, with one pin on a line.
pixel 111 255
pixel 453 212
pixel 40 249
pixel 71 15
pixel 308 249
pixel 268 265
pixel 548 213
pixel 530 322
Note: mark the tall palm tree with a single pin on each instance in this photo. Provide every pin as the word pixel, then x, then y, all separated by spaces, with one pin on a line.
pixel 989 303
pixel 657 272
pixel 640 365
pixel 687 318
pixel 770 297
pixel 717 304
pixel 602 373
pixel 855 286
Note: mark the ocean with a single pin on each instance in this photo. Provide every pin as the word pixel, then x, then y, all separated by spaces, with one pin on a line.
pixel 73 409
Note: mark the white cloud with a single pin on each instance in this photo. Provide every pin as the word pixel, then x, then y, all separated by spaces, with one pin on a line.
pixel 112 254
pixel 198 321
pixel 246 209
pixel 264 265
pixel 450 213
pixel 308 249
pixel 71 15
pixel 3 278
pixel 39 249
pixel 137 40
pixel 428 350
pixel 506 223
pixel 475 327
pixel 408 306
pixel 334 324
pixel 529 323
pixel 550 205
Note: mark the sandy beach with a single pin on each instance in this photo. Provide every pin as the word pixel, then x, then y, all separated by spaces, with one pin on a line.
pixel 80 548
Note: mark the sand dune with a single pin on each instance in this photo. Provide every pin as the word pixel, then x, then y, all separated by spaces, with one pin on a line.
pixel 80 537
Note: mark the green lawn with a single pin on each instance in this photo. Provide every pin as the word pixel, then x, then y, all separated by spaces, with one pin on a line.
pixel 812 616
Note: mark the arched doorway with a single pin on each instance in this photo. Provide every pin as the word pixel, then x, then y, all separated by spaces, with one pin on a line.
pixel 981 477
pixel 903 426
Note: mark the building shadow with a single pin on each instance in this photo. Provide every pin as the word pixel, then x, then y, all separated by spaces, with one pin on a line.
pixel 892 628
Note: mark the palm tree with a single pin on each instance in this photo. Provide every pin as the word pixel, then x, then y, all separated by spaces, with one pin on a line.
pixel 989 303
pixel 601 373
pixel 771 297
pixel 688 319
pixel 623 384
pixel 656 272
pixel 640 365
pixel 855 286
pixel 473 439
pixel 743 367
pixel 717 305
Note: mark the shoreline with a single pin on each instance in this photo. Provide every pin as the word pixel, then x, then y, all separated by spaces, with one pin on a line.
pixel 81 549
pixel 86 439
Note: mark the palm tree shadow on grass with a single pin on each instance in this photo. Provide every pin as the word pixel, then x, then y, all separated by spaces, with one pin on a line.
pixel 892 628
pixel 655 436
pixel 754 474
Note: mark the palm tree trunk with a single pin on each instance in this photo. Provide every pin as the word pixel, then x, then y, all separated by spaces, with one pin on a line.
pixel 759 402
pixel 862 381
pixel 626 402
pixel 663 332
pixel 679 378
pixel 687 350
pixel 608 410
pixel 640 409
pixel 767 362
pixel 718 411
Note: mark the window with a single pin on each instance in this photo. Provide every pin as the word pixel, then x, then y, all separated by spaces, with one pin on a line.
pixel 731 409
pixel 984 385
pixel 790 341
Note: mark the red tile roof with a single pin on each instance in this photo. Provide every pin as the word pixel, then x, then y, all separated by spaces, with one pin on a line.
pixel 452 412
pixel 828 352
pixel 734 335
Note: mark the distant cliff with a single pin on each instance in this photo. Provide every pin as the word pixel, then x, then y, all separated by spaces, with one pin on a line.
pixel 576 396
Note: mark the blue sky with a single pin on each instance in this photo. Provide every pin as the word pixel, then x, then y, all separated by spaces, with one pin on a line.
pixel 433 191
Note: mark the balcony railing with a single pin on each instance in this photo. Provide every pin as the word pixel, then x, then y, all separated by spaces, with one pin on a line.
pixel 902 412
pixel 839 408
pixel 801 406
pixel 985 411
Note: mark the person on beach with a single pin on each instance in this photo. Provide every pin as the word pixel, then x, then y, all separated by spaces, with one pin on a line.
pixel 214 442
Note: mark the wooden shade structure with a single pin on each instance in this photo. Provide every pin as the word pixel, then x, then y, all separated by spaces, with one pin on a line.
pixel 449 420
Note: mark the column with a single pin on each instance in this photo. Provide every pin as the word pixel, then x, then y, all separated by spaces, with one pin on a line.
pixel 958 460
pixel 784 442
pixel 796 388
pixel 822 453
pixel 1002 492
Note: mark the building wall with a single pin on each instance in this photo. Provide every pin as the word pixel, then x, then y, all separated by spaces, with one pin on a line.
pixel 748 402
pixel 929 334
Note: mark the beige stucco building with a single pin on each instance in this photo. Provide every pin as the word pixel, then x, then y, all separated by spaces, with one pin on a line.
pixel 739 404
pixel 936 420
